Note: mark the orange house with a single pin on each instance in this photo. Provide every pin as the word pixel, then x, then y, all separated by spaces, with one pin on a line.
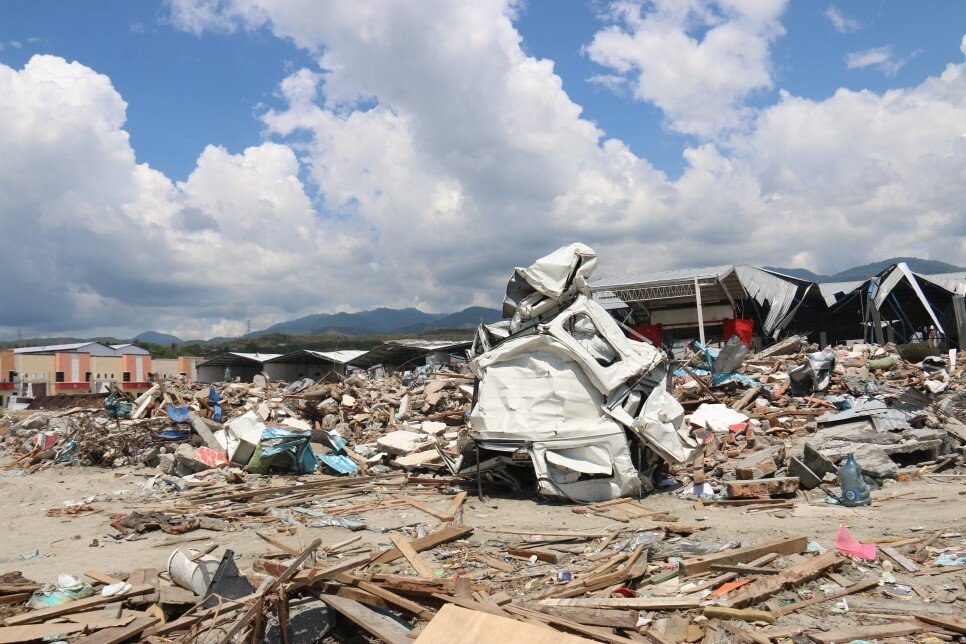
pixel 135 370
pixel 72 373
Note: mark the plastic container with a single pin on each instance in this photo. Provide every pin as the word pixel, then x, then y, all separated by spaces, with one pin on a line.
pixel 855 492
pixel 192 575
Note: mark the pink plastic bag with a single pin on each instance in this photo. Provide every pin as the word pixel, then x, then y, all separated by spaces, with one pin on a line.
pixel 847 544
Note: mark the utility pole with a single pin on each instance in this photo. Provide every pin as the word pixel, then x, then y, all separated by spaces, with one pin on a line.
pixel 248 327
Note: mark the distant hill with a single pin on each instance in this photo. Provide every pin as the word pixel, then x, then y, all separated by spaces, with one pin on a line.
pixel 380 321
pixel 468 318
pixel 866 271
pixel 156 337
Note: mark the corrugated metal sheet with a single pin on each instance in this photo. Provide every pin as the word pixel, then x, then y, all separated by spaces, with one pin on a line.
pixel 889 282
pixel 764 287
pixel 952 282
pixel 832 292
pixel 642 279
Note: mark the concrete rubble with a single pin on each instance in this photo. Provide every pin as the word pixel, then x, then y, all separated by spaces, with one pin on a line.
pixel 562 407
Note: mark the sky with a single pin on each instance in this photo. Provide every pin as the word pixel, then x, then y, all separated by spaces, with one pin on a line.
pixel 188 166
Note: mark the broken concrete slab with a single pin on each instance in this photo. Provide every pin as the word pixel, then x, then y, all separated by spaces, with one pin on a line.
pixel 807 479
pixel 760 464
pixel 402 442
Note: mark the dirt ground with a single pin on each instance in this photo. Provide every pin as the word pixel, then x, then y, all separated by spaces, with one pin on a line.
pixel 76 544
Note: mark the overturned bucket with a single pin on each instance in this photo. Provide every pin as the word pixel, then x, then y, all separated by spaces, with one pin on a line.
pixel 192 575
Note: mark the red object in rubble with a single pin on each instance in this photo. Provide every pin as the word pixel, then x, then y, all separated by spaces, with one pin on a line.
pixel 739 327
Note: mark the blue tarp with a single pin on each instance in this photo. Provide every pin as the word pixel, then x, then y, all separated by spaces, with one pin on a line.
pixel 341 464
pixel 281 449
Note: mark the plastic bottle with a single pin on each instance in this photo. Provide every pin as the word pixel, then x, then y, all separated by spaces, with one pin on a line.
pixel 855 492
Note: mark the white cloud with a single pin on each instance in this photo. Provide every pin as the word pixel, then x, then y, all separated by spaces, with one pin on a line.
pixel 882 59
pixel 443 155
pixel 92 239
pixel 697 60
pixel 842 23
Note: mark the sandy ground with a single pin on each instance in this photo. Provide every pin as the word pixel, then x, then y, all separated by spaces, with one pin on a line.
pixel 80 543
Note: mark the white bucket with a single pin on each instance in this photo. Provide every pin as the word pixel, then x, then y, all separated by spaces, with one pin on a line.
pixel 192 575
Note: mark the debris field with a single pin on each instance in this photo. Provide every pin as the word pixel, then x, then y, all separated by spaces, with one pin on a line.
pixel 574 483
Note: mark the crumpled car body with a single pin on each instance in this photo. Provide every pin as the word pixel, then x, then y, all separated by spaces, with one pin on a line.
pixel 562 386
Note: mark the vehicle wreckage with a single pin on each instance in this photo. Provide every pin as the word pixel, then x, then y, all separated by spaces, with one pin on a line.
pixel 564 402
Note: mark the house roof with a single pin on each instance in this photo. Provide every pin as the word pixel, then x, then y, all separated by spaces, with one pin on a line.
pixel 55 348
pixel 404 351
pixel 234 357
pixel 343 356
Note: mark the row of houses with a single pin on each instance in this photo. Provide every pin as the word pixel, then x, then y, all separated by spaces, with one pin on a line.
pixel 761 305
pixel 94 367
pixel 84 367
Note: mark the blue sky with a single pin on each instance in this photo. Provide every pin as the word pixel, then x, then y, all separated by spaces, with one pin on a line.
pixel 208 162
pixel 184 91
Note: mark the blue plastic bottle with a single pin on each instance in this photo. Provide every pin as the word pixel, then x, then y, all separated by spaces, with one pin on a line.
pixel 855 492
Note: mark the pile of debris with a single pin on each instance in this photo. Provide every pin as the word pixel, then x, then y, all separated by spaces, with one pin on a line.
pixel 786 418
pixel 648 577
pixel 188 427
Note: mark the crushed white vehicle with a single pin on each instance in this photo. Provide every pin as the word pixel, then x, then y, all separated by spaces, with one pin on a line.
pixel 565 403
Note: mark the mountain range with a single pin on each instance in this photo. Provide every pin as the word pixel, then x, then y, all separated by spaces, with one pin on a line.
pixel 412 321
pixel 383 321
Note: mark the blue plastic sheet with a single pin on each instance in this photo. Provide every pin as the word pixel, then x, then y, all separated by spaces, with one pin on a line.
pixel 286 450
pixel 178 414
pixel 214 398
pixel 341 464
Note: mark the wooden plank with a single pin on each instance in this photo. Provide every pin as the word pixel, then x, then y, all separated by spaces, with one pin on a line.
pixel 391 597
pixel 113 611
pixel 466 602
pixel 840 635
pixel 15 598
pixel 376 624
pixel 589 616
pixel 818 599
pixel 898 557
pixel 33 632
pixel 100 577
pixel 284 547
pixel 701 564
pixel 333 570
pixel 430 541
pixel 794 576
pixel 419 505
pixel 77 606
pixel 493 562
pixel 147 576
pixel 455 505
pixel 952 624
pixel 638 603
pixel 457 624
pixel 743 614
pixel 419 565
pixel 595 632
pixel 745 570
pixel 119 634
